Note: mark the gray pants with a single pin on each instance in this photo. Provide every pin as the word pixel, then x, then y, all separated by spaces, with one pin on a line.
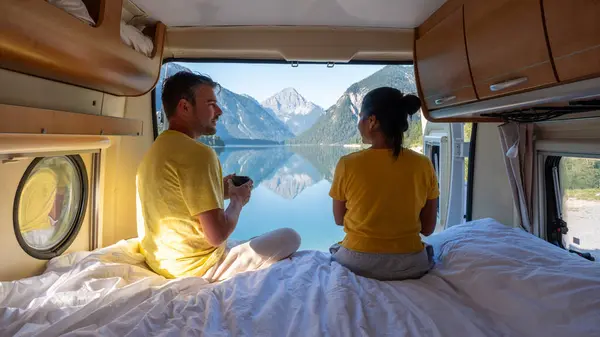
pixel 384 267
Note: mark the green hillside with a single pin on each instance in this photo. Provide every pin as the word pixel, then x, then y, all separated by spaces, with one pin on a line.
pixel 339 124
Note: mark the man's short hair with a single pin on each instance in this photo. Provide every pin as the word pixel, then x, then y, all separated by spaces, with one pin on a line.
pixel 182 85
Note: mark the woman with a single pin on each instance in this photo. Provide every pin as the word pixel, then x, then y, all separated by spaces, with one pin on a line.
pixel 385 196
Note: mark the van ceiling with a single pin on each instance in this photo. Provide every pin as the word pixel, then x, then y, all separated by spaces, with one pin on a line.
pixel 350 13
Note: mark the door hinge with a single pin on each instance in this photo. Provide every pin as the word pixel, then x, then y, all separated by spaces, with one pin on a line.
pixel 461 149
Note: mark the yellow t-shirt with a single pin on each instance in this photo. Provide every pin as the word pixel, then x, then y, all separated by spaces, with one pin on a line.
pixel 178 179
pixel 384 199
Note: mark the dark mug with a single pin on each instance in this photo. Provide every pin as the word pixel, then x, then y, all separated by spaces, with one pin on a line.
pixel 239 180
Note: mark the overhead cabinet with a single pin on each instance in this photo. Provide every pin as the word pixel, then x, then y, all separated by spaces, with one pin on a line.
pixel 507 47
pixel 573 29
pixel 42 40
pixel 442 64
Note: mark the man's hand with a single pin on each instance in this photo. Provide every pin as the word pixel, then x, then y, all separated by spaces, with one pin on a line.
pixel 226 181
pixel 240 194
pixel 217 224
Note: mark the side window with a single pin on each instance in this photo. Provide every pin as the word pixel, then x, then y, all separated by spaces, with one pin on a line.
pixel 50 205
pixel 579 204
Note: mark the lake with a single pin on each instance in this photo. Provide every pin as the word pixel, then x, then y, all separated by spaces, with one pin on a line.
pixel 291 189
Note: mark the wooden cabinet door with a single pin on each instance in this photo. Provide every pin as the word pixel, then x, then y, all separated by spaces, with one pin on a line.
pixel 573 28
pixel 507 47
pixel 442 64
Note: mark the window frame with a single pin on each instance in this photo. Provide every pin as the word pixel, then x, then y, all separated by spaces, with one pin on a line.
pixel 554 220
pixel 554 198
pixel 471 173
pixel 61 246
pixel 468 211
pixel 544 198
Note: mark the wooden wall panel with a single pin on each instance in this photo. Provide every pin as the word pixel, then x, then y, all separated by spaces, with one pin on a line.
pixel 18 119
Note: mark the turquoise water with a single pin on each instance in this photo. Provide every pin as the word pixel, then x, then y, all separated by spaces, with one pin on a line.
pixel 291 189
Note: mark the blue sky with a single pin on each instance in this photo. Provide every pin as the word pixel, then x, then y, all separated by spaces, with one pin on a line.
pixel 315 82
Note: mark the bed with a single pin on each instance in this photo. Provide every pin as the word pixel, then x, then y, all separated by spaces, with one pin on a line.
pixel 489 280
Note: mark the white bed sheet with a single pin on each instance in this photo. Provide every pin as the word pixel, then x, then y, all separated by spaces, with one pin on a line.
pixel 490 280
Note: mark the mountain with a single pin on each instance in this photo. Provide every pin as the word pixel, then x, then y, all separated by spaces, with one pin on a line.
pixel 339 124
pixel 243 119
pixel 294 110
pixel 293 177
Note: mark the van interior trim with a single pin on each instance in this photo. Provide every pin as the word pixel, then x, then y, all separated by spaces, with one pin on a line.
pixel 95 201
pixel 581 90
pixel 27 120
pixel 291 43
pixel 471 173
pixel 569 148
pixel 36 144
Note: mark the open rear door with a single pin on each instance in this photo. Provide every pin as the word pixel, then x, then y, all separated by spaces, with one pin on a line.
pixel 445 145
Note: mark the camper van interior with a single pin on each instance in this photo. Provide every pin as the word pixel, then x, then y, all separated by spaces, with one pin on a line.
pixel 509 118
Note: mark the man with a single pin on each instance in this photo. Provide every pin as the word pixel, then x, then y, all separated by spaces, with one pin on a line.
pixel 183 228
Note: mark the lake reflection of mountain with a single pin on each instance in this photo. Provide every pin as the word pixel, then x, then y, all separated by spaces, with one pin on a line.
pixel 324 158
pixel 257 163
pixel 293 177
pixel 287 171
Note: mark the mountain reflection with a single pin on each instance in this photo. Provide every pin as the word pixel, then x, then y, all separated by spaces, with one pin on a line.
pixel 285 170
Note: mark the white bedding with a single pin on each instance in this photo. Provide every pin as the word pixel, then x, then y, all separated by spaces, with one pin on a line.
pixel 130 35
pixel 490 280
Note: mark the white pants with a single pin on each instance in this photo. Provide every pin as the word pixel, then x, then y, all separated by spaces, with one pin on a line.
pixel 255 254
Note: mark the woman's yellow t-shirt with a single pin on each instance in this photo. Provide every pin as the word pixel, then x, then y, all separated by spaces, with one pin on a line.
pixel 384 198
pixel 178 179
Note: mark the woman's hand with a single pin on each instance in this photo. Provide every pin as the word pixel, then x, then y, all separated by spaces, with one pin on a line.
pixel 339 211
pixel 428 217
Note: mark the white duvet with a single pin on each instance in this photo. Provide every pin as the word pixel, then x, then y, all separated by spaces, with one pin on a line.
pixel 490 280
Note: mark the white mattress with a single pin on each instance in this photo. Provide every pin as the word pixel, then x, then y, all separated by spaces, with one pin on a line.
pixel 490 280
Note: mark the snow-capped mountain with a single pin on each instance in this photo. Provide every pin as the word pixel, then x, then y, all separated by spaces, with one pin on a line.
pixel 294 110
pixel 244 118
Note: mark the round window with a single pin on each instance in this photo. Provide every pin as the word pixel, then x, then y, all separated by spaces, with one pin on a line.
pixel 50 205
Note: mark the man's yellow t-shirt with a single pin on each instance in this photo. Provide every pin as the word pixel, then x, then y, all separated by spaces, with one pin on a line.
pixel 384 198
pixel 178 179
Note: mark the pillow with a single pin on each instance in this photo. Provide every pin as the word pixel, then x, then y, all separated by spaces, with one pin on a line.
pixel 132 37
pixel 76 8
